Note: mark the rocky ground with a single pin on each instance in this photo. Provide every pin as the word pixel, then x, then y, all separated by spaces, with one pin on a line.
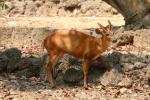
pixel 56 8
pixel 22 78
pixel 22 57
pixel 22 72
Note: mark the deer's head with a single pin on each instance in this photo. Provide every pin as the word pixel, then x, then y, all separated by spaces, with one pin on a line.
pixel 106 33
pixel 105 30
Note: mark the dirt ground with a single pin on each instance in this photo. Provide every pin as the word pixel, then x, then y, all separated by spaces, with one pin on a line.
pixel 133 85
pixel 59 22
pixel 25 23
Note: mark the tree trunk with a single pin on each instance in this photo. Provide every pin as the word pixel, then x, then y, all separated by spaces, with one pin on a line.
pixel 136 12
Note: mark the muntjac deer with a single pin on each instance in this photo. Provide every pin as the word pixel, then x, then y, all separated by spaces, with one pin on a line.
pixel 77 44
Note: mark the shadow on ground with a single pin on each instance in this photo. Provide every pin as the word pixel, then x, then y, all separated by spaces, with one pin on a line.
pixel 26 73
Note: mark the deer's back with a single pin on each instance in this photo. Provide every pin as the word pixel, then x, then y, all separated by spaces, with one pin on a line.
pixel 74 43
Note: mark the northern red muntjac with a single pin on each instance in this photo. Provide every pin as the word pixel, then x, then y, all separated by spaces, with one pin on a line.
pixel 77 44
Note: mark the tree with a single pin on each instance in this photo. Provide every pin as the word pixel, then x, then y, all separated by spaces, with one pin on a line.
pixel 136 12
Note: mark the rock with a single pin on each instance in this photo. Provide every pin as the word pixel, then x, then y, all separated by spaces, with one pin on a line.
pixel 73 72
pixel 128 66
pixel 71 3
pixel 146 59
pixel 85 7
pixel 73 75
pixel 14 56
pixel 148 75
pixel 17 7
pixel 58 8
pixel 123 90
pixel 95 75
pixel 63 65
pixel 112 57
pixel 29 72
pixel 34 69
pixel 139 65
pixel 114 11
pixel 129 58
pixel 66 61
pixel 9 5
pixel 132 62
pixel 29 67
pixel 140 40
pixel 126 82
pixel 112 77
pixel 39 3
pixel 123 39
pixel 3 63
pixel 68 66
pixel 23 64
pixel 31 8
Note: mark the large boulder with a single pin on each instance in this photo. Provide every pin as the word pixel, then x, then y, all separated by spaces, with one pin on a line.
pixel 29 67
pixel 71 68
pixel 14 56
pixel 73 75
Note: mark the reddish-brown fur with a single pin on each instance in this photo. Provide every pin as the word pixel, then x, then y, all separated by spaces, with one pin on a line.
pixel 77 44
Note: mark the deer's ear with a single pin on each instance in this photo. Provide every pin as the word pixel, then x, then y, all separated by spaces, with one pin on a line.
pixel 102 28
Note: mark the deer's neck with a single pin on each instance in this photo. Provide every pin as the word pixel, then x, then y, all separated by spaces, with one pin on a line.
pixel 104 43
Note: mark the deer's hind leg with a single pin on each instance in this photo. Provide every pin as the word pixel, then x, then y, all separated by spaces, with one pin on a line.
pixel 54 56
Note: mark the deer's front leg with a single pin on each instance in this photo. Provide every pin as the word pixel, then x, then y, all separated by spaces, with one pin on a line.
pixel 86 65
pixel 49 76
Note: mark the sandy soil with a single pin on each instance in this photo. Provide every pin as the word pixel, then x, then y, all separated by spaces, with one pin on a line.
pixel 59 22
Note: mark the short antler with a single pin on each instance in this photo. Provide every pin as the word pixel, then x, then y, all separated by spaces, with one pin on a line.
pixel 101 26
pixel 110 25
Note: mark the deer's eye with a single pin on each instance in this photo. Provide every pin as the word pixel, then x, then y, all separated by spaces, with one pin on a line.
pixel 98 31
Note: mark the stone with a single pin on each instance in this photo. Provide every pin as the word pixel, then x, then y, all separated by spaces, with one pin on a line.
pixel 71 3
pixel 126 82
pixel 123 39
pixel 112 57
pixel 140 40
pixel 58 8
pixel 3 63
pixel 14 56
pixel 139 65
pixel 73 75
pixel 128 66
pixel 123 90
pixel 112 77
pixel 30 67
